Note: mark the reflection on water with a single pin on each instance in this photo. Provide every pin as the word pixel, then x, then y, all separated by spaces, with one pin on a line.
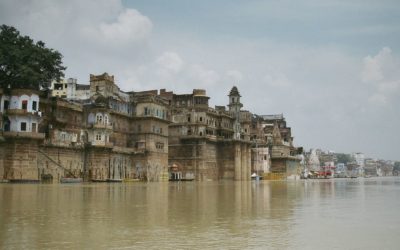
pixel 312 214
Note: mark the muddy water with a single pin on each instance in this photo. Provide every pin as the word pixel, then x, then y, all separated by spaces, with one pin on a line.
pixel 312 214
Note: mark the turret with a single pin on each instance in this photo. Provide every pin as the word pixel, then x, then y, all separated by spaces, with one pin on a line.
pixel 234 100
pixel 234 108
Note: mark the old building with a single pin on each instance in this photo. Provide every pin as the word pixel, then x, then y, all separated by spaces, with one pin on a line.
pixel 270 133
pixel 100 133
pixel 209 143
pixel 111 135
pixel 20 135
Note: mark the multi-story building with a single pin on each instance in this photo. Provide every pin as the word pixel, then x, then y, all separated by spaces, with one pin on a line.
pixel 20 118
pixel 208 143
pixel 98 132
pixel 270 133
pixel 111 135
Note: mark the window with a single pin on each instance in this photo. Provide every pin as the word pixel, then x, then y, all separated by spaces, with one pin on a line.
pixel 159 145
pixel 106 120
pixel 139 128
pixel 34 105
pixel 98 137
pixel 23 126
pixel 99 118
pixel 25 104
pixel 201 118
pixel 160 130
pixel 33 127
pixel 146 111
pixel 6 104
pixel 188 119
pixel 65 85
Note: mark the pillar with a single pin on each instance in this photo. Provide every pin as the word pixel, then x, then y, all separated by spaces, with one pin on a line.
pixel 238 162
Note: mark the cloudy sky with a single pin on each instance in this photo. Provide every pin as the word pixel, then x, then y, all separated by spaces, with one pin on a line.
pixel 331 67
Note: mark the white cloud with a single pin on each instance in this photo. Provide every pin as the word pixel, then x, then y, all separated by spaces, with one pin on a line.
pixel 203 76
pixel 234 75
pixel 131 26
pixel 277 79
pixel 378 99
pixel 170 61
pixel 381 72
pixel 373 65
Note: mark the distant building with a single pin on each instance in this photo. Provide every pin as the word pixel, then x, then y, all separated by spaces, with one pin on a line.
pixel 271 132
pixel 70 89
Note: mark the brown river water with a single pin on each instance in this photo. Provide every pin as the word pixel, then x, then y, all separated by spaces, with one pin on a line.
pixel 309 214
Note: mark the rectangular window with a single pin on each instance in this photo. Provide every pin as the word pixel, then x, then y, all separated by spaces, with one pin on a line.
pixel 98 137
pixel 25 104
pixel 34 105
pixel 6 104
pixel 33 127
pixel 23 126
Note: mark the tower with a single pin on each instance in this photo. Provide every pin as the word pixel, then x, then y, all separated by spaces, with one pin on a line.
pixel 234 108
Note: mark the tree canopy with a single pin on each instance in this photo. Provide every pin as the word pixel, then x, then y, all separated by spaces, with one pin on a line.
pixel 25 64
pixel 344 158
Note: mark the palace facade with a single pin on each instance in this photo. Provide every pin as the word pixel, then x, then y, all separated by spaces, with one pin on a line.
pixel 98 132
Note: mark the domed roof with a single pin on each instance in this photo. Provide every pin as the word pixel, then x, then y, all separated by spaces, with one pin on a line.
pixel 234 91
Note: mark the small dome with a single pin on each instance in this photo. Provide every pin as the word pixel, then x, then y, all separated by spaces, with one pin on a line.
pixel 234 91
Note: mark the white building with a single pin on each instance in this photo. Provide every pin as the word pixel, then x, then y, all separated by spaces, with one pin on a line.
pixel 360 159
pixel 70 89
pixel 21 109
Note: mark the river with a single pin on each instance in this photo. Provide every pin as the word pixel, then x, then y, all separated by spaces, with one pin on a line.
pixel 308 214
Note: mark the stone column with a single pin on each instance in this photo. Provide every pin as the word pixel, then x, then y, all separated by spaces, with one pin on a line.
pixel 244 162
pixel 238 173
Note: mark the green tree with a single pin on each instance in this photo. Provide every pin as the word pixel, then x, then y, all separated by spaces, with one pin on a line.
pixel 344 158
pixel 396 166
pixel 25 64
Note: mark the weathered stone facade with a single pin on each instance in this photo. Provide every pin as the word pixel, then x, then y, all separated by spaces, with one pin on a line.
pixel 114 135
pixel 270 134
pixel 207 143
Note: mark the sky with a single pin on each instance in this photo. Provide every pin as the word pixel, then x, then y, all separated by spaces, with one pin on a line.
pixel 331 67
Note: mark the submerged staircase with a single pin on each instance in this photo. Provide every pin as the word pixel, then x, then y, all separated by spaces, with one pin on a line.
pixel 57 164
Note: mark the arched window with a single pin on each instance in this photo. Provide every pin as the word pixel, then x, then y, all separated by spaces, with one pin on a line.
pixel 106 119
pixel 99 118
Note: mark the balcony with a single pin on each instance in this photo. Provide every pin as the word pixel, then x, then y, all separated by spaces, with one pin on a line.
pixel 21 112
pixel 102 126
pixel 102 144
pixel 28 135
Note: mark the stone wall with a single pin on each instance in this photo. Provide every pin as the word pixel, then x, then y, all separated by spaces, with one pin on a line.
pixel 2 149
pixel 52 162
pixel 20 159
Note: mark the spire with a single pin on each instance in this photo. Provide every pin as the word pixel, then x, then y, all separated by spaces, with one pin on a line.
pixel 276 135
pixel 234 92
